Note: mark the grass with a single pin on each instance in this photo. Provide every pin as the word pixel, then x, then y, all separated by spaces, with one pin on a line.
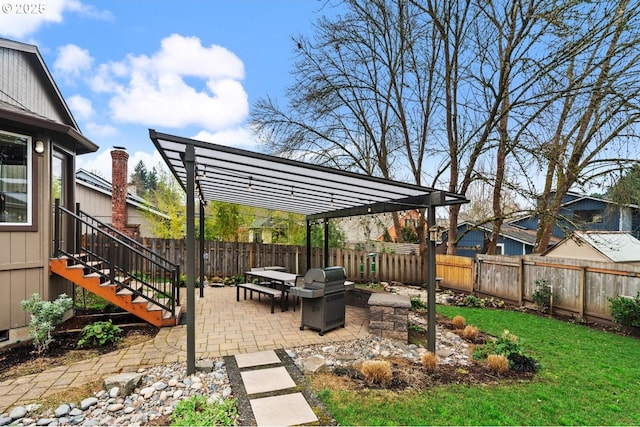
pixel 588 377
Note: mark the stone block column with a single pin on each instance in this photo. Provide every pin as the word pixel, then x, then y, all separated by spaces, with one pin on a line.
pixel 389 315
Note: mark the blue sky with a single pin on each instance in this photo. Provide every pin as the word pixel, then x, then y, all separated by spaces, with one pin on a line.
pixel 186 67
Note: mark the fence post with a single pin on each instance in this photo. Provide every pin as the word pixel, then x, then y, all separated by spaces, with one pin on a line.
pixel 581 297
pixel 521 281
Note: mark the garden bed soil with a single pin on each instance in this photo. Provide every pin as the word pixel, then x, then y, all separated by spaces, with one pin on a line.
pixel 21 358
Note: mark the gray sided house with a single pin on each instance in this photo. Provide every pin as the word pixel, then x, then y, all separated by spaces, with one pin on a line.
pixel 39 139
pixel 95 196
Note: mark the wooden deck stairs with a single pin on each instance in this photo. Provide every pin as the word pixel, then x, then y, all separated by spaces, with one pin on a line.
pixel 90 276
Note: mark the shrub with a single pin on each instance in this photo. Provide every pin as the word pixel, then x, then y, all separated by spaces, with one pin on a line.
pixel 458 322
pixel 429 361
pixel 510 346
pixel 45 316
pixel 626 310
pixel 498 363
pixel 470 333
pixel 99 334
pixel 523 363
pixel 542 295
pixel 473 301
pixel 417 304
pixel 198 411
pixel 377 372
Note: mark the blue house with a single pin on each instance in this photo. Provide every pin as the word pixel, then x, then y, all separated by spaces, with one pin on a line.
pixel 587 213
pixel 578 212
pixel 513 240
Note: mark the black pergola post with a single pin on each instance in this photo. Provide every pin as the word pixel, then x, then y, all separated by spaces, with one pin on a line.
pixel 326 242
pixel 201 249
pixel 189 164
pixel 308 244
pixel 431 282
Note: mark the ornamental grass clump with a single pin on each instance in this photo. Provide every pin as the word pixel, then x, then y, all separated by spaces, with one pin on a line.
pixel 377 372
pixel 498 363
pixel 429 361
pixel 470 333
pixel 458 322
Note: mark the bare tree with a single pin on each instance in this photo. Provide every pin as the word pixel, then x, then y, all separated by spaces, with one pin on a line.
pixel 596 109
pixel 539 87
pixel 364 93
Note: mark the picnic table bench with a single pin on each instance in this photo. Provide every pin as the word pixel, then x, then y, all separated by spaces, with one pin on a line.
pixel 261 290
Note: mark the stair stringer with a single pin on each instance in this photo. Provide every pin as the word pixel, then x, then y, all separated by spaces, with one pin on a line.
pixel 154 315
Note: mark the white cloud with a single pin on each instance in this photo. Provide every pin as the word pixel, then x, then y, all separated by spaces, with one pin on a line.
pixel 71 62
pixel 80 106
pixel 20 19
pixel 152 90
pixel 238 137
pixel 96 131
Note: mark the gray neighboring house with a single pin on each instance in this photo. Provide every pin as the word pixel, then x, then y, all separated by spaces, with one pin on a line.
pixel 95 195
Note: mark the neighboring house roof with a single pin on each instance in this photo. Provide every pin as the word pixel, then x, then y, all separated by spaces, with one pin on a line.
pixel 615 246
pixel 579 197
pixel 518 234
pixel 101 185
pixel 12 110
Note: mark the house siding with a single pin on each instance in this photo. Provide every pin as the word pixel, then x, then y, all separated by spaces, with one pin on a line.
pixel 98 205
pixel 24 268
pixel 30 88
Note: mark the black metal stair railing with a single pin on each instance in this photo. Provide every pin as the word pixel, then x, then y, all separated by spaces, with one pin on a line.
pixel 118 258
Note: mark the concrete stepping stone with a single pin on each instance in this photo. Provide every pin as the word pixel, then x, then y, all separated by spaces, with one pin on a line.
pixel 283 410
pixel 266 380
pixel 259 358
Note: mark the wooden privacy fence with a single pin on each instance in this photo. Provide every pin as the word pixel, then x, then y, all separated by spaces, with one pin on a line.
pixel 230 259
pixel 582 288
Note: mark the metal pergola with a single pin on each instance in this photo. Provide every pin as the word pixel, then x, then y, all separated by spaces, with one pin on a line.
pixel 211 172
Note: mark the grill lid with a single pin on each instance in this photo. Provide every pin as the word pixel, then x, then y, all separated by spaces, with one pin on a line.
pixel 324 275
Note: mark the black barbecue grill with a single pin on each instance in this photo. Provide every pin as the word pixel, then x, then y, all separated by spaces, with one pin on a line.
pixel 323 298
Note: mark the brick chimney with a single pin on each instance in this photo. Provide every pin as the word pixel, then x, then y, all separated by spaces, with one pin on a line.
pixel 119 158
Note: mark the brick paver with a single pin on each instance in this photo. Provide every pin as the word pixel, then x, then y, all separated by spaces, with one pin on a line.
pixel 223 327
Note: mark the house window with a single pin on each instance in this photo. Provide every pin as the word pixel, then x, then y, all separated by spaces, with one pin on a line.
pixel 15 185
pixel 593 216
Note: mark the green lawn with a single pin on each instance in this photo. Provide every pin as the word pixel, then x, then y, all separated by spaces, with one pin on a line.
pixel 587 377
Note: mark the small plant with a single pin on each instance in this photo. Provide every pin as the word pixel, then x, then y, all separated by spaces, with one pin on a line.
pixel 510 346
pixel 417 304
pixel 429 361
pixel 498 363
pixel 473 301
pixel 523 363
pixel 416 328
pixel 626 310
pixel 45 316
pixel 99 334
pixel 199 411
pixel 542 295
pixel 458 322
pixel 377 372
pixel 470 333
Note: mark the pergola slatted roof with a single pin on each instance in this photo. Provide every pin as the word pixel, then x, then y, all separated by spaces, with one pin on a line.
pixel 214 172
pixel 253 179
